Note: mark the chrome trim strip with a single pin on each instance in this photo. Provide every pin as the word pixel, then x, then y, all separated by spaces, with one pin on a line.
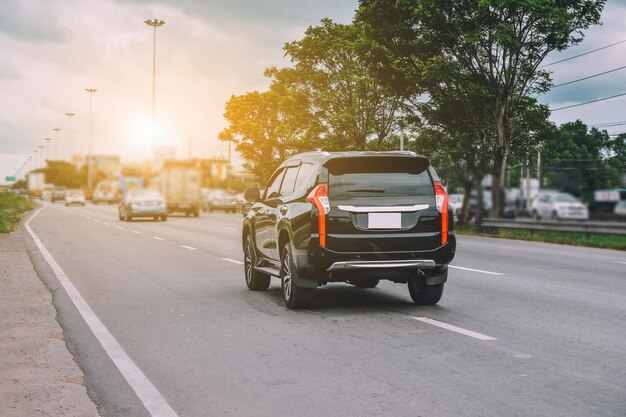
pixel 342 266
pixel 384 209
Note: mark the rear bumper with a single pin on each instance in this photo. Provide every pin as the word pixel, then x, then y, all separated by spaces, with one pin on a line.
pixel 317 263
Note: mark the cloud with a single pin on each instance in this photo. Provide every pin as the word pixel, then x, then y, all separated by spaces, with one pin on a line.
pixel 30 21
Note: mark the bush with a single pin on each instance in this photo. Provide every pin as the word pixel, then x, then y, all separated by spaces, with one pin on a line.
pixel 12 207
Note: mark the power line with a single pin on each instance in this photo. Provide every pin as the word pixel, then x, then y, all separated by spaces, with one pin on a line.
pixel 583 54
pixel 609 124
pixel 588 102
pixel 591 76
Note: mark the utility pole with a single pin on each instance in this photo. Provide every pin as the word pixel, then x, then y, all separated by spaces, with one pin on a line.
pixel 41 156
pixel 56 143
pixel 539 167
pixel 90 155
pixel 155 23
pixel 69 136
pixel 528 202
pixel 402 140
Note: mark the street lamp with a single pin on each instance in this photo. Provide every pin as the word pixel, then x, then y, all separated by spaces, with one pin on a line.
pixel 36 160
pixel 89 157
pixel 155 23
pixel 47 149
pixel 69 136
pixel 40 155
pixel 56 142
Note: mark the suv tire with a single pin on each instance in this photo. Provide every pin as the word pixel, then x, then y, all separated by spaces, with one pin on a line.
pixel 256 281
pixel 422 294
pixel 295 297
pixel 365 283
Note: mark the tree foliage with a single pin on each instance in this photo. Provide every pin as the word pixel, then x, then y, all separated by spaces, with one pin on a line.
pixel 491 47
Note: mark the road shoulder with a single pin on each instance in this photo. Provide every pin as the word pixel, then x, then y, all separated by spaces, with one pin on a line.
pixel 38 375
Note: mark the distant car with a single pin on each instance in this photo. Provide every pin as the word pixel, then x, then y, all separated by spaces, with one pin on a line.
pixel 620 209
pixel 46 192
pixel 219 200
pixel 509 211
pixel 142 203
pixel 105 192
pixel 74 197
pixel 558 206
pixel 58 194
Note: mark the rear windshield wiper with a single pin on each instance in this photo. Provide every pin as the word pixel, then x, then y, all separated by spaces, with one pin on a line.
pixel 366 190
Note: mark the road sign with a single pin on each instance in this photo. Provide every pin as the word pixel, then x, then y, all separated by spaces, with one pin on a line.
pixel 9 179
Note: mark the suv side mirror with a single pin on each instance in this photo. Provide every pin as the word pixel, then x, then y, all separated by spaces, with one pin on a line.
pixel 252 195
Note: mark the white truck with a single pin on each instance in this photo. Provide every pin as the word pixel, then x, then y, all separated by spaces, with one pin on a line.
pixel 36 181
pixel 180 182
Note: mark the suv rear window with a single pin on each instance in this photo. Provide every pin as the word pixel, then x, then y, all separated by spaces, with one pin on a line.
pixel 383 176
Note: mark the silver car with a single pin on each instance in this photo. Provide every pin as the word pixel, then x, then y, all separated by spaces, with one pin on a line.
pixel 142 203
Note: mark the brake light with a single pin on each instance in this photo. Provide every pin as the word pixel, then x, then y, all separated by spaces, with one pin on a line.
pixel 441 200
pixel 319 198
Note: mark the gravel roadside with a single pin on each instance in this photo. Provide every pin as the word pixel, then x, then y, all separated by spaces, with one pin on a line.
pixel 38 375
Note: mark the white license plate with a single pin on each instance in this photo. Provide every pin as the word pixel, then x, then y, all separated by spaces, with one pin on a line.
pixel 384 221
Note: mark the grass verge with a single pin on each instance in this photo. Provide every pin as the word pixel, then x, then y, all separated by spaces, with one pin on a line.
pixel 12 207
pixel 574 239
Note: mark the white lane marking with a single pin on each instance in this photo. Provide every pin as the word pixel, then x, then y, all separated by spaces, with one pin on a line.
pixel 157 238
pixel 188 247
pixel 620 262
pixel 150 397
pixel 475 270
pixel 107 224
pixel 229 228
pixel 96 220
pixel 88 217
pixel 136 231
pixel 455 328
pixel 119 227
pixel 233 261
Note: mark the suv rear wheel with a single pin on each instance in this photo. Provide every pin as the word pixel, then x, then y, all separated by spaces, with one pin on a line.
pixel 294 296
pixel 256 281
pixel 423 294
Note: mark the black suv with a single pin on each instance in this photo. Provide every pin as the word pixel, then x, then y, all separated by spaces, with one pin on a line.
pixel 357 217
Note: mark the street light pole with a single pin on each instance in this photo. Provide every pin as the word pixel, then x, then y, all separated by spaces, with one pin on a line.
pixel 56 143
pixel 40 155
pixel 47 149
pixel 69 136
pixel 90 156
pixel 155 23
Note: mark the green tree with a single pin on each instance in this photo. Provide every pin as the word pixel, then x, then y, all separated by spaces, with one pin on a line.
pixel 580 161
pixel 267 127
pixel 497 45
pixel 348 105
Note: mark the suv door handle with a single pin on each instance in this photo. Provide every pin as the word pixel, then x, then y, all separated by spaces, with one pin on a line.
pixel 283 210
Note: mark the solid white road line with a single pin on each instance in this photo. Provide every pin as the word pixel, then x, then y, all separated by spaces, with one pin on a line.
pixel 233 261
pixel 157 238
pixel 150 397
pixel 455 328
pixel 475 270
pixel 620 262
pixel 188 247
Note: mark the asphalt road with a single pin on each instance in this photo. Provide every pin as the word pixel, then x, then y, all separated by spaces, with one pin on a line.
pixel 549 325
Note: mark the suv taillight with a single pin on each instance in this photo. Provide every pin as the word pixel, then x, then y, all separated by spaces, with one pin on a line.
pixel 319 198
pixel 441 199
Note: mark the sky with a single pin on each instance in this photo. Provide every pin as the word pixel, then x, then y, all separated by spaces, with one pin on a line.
pixel 208 50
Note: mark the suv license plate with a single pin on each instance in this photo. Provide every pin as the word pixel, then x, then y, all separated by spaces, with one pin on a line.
pixel 384 221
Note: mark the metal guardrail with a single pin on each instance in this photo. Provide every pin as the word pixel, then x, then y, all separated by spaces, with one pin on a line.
pixel 587 227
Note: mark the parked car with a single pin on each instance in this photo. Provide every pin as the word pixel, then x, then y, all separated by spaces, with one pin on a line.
pixel 74 197
pixel 58 194
pixel 219 200
pixel 142 203
pixel 355 217
pixel 558 206
pixel 620 209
